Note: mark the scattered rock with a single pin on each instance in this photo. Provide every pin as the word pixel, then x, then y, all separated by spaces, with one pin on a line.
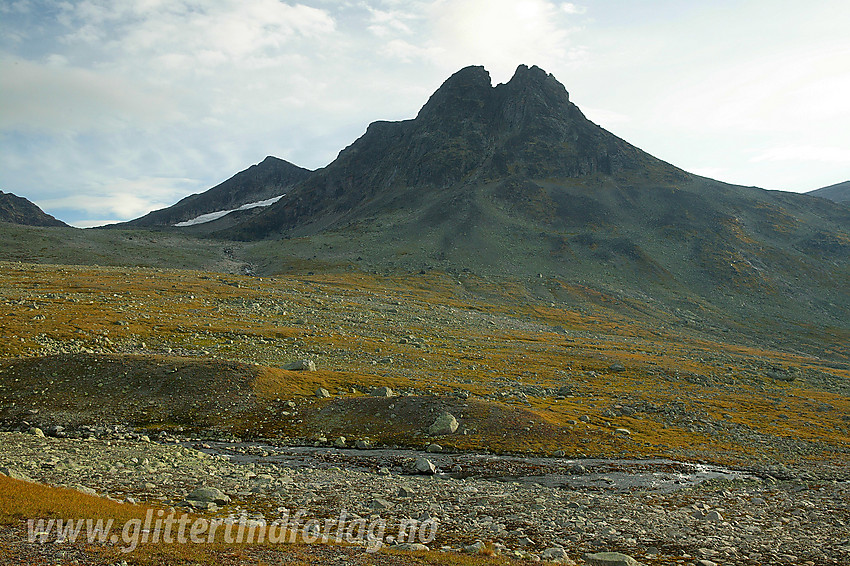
pixel 35 431
pixel 14 474
pixel 340 442
pixel 321 392
pixel 434 448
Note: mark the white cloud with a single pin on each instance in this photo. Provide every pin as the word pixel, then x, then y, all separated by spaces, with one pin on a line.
pixel 159 98
pixel 120 198
pixel 805 153
pixel 52 97
pixel 501 34
pixel 571 8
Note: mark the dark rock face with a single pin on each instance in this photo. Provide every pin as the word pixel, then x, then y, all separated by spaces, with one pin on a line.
pixel 467 132
pixel 270 178
pixel 18 210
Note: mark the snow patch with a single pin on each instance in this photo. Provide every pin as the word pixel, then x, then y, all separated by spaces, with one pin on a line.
pixel 210 216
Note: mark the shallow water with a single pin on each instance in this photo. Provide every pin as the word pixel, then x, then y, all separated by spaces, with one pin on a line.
pixel 580 474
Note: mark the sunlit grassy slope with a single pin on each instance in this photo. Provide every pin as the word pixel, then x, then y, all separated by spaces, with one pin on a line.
pixel 162 349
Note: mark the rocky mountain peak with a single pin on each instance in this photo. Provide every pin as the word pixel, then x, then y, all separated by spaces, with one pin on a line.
pixel 465 95
pixel 18 210
pixel 468 133
pixel 537 81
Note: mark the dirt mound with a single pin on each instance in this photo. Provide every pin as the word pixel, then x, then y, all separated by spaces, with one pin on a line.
pixel 405 421
pixel 73 389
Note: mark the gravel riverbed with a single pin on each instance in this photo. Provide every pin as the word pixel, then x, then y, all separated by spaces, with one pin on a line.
pixel 723 520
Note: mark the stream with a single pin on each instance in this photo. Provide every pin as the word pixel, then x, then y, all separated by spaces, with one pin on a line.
pixel 588 474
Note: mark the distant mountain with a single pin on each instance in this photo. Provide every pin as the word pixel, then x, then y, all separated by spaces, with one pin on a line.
pixel 249 190
pixel 467 134
pixel 18 210
pixel 839 192
pixel 513 181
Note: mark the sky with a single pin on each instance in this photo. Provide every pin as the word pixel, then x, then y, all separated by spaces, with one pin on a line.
pixel 112 108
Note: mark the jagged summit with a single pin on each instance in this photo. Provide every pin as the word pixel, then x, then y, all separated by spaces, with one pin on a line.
pixel 469 132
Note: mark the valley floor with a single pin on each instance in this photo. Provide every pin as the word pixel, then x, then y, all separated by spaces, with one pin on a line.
pixel 113 354
pixel 725 521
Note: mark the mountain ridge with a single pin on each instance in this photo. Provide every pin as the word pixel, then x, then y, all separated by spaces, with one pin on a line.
pixel 271 177
pixel 839 192
pixel 19 210
pixel 513 182
pixel 467 132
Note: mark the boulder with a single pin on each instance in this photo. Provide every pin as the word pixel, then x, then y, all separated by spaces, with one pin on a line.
pixel 475 548
pixel 321 392
pixel 411 546
pixel 713 516
pixel 425 466
pixel 610 559
pixel 209 494
pixel 379 504
pixel 557 555
pixel 301 365
pixel 382 392
pixel 445 424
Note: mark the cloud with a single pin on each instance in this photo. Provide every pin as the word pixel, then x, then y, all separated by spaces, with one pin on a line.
pixel 233 28
pixel 571 8
pixel 52 97
pixel 119 199
pixel 805 153
pixel 501 34
pixel 159 98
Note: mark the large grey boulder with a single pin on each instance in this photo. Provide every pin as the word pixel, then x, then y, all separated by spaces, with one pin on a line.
pixel 445 424
pixel 425 466
pixel 209 495
pixel 382 392
pixel 301 365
